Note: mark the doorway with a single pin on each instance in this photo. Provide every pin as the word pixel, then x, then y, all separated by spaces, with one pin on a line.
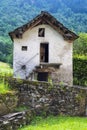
pixel 42 76
pixel 44 52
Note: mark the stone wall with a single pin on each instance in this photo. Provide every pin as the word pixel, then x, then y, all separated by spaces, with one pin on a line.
pixel 46 98
pixel 41 98
pixel 8 102
pixel 14 121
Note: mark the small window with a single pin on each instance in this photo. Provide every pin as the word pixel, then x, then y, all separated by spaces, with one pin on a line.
pixel 18 35
pixel 41 32
pixel 24 48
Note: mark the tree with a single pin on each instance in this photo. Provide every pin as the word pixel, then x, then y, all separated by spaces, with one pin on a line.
pixel 80 45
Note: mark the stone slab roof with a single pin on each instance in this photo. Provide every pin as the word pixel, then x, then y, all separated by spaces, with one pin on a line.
pixel 44 18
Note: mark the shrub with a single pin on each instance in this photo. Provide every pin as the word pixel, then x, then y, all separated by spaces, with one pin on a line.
pixel 80 70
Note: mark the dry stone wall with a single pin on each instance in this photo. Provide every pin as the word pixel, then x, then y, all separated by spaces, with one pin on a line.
pixel 46 98
pixel 8 102
pixel 16 120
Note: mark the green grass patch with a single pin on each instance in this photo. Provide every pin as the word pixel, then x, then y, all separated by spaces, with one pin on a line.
pixel 57 123
pixel 4 88
pixel 5 69
pixel 21 108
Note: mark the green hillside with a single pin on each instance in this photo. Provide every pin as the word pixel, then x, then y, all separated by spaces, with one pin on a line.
pixel 15 13
pixel 73 14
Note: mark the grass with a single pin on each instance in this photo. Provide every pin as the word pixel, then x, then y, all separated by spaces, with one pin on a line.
pixel 4 88
pixel 57 123
pixel 21 108
pixel 5 68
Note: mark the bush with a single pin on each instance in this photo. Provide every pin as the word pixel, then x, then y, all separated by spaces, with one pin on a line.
pixel 80 70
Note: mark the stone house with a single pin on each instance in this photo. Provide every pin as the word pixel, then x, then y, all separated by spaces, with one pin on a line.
pixel 43 50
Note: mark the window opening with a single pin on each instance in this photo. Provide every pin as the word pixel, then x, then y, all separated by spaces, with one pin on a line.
pixel 24 48
pixel 41 32
pixel 42 76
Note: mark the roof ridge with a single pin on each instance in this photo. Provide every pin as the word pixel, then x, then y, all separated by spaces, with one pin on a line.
pixel 46 17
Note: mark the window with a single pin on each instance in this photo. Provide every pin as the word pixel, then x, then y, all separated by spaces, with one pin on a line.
pixel 41 32
pixel 24 48
pixel 18 35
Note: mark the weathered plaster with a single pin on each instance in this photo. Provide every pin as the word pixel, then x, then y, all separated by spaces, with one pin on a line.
pixel 60 51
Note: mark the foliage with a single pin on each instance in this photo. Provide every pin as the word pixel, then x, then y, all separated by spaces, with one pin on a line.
pixel 24 10
pixel 80 60
pixel 4 88
pixel 80 70
pixel 21 108
pixel 5 50
pixel 57 123
pixel 5 69
pixel 73 14
pixel 16 13
pixel 80 45
pixel 77 6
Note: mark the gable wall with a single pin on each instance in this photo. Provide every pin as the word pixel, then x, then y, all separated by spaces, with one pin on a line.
pixel 60 51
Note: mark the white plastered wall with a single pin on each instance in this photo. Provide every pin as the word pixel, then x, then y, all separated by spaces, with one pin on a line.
pixel 60 51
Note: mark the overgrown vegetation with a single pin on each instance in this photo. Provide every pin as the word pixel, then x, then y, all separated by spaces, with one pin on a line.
pixel 5 70
pixel 80 70
pixel 80 60
pixel 80 45
pixel 6 54
pixel 4 88
pixel 21 108
pixel 57 123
